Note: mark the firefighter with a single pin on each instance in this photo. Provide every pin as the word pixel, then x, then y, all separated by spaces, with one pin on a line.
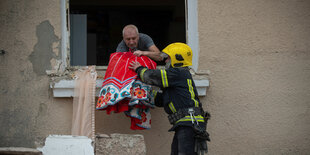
pixel 179 98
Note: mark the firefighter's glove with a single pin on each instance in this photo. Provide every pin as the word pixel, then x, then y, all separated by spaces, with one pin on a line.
pixel 201 138
pixel 201 146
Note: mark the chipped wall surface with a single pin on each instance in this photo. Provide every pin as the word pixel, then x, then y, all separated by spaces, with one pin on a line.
pixel 30 35
pixel 256 53
pixel 46 37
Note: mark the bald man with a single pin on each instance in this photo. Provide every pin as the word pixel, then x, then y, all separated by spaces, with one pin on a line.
pixel 138 43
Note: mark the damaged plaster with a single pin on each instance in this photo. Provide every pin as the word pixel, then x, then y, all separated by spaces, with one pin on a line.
pixel 43 53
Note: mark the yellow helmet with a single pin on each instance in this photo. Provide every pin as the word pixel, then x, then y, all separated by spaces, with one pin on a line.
pixel 180 54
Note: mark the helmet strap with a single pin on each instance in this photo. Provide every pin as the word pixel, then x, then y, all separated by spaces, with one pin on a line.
pixel 168 64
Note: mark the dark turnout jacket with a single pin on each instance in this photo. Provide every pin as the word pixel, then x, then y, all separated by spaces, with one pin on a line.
pixel 178 92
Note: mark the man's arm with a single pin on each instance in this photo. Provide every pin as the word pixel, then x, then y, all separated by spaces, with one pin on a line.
pixel 153 53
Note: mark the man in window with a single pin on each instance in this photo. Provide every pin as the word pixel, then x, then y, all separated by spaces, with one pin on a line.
pixel 138 43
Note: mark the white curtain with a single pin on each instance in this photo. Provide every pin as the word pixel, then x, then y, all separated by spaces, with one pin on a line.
pixel 83 120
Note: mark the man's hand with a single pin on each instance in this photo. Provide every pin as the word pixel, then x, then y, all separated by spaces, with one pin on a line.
pixel 138 53
pixel 134 65
pixel 153 53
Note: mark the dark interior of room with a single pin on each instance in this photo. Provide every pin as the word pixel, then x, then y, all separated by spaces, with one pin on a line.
pixel 163 21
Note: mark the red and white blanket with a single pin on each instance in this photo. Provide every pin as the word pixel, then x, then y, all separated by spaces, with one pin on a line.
pixel 122 91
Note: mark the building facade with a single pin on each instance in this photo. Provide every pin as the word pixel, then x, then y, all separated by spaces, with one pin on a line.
pixel 256 55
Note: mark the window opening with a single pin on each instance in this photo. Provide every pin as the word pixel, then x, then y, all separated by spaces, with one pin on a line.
pixel 96 26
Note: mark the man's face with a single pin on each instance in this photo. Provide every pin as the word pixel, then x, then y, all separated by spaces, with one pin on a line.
pixel 131 38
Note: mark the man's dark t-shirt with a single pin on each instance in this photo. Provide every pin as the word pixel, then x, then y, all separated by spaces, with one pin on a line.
pixel 144 43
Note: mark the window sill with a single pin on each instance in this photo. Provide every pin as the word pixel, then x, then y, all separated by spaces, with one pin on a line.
pixel 65 88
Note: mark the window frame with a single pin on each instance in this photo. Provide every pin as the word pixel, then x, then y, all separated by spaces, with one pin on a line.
pixel 192 37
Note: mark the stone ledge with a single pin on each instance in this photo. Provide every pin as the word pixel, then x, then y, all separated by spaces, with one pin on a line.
pixel 19 151
pixel 120 144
